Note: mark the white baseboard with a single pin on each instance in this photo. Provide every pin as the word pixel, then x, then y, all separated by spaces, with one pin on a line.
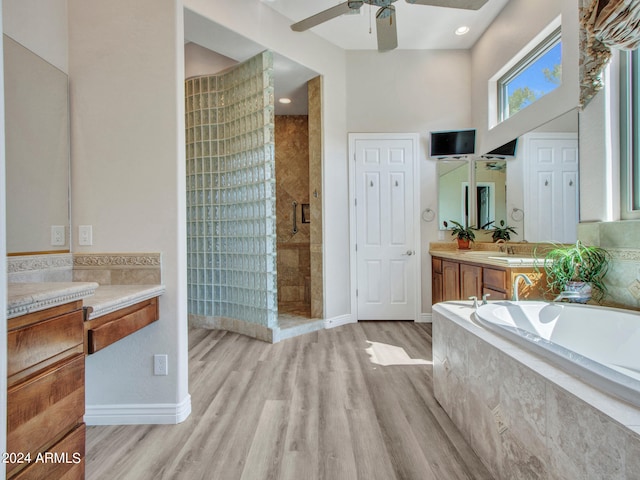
pixel 141 414
pixel 425 318
pixel 338 321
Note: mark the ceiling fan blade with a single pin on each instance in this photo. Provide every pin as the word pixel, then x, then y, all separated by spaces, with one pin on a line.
pixel 386 29
pixel 321 17
pixel 464 4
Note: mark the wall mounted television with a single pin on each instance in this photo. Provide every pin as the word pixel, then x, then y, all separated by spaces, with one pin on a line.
pixel 453 143
pixel 505 151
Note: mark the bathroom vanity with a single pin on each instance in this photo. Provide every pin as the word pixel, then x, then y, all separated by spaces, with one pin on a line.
pixel 458 275
pixel 51 327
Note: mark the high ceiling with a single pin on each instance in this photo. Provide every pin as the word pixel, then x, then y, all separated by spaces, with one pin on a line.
pixel 419 26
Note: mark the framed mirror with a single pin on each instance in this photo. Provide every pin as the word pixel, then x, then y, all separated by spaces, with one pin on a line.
pixel 37 153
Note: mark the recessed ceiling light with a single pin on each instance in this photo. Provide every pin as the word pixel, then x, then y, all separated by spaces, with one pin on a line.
pixel 463 30
pixel 284 100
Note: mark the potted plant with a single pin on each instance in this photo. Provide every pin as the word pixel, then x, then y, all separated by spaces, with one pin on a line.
pixel 576 272
pixel 464 235
pixel 503 232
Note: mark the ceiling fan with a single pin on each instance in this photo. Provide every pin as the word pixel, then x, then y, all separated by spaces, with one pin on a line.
pixel 385 16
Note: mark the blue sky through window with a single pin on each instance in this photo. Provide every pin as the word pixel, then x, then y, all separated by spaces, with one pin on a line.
pixel 533 76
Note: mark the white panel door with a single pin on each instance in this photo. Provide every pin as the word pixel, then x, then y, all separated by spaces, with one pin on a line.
pixel 553 188
pixel 386 259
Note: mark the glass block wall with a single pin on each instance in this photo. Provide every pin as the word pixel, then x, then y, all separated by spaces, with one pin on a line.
pixel 231 231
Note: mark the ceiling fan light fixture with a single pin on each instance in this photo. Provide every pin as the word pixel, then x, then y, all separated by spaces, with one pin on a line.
pixel 462 30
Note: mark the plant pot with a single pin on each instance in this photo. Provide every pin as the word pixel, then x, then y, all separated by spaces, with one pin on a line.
pixel 581 289
pixel 463 244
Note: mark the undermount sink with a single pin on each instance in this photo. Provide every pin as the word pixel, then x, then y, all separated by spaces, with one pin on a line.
pixel 512 259
pixel 483 253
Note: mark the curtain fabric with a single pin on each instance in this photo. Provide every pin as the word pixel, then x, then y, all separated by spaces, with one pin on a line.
pixel 605 24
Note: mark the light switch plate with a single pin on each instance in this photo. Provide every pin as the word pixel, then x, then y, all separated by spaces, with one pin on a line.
pixel 85 236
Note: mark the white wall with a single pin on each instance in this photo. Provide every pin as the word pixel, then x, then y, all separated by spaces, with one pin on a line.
pixel 261 24
pixel 516 26
pixel 202 61
pixel 39 26
pixel 3 278
pixel 126 68
pixel 411 91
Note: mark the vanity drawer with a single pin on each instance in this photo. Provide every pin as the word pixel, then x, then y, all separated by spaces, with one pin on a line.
pixel 51 339
pixel 494 279
pixel 65 460
pixel 45 407
pixel 103 331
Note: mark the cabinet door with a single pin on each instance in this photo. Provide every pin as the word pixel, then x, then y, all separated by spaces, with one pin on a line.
pixel 436 288
pixel 470 281
pixel 450 281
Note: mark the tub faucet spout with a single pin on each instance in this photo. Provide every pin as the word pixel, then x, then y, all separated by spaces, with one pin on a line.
pixel 516 279
pixel 568 295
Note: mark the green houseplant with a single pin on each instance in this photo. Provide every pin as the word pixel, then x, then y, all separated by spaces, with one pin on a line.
pixel 464 235
pixel 577 271
pixel 502 232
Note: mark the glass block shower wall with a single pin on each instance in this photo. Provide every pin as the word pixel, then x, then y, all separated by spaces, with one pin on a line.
pixel 231 231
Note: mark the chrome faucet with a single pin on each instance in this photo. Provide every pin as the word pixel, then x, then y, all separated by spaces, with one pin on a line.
pixel 567 295
pixel 519 276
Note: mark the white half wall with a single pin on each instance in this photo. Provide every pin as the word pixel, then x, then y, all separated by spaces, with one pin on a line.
pixel 517 25
pixel 411 91
pixel 126 68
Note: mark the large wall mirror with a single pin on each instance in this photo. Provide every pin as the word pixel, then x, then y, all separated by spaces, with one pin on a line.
pixel 472 192
pixel 37 152
pixel 536 191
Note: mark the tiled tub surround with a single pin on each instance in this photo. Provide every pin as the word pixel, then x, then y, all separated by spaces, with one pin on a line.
pixel 621 240
pixel 522 415
pixel 231 231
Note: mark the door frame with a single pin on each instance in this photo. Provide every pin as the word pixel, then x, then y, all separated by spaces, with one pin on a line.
pixel 353 267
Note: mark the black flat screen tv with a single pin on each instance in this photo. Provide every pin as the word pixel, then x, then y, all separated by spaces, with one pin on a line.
pixel 506 150
pixel 454 143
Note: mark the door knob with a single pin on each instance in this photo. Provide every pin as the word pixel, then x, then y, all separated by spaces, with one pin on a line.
pixel 409 253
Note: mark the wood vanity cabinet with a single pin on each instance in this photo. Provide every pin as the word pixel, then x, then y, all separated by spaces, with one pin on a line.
pixel 459 280
pixel 45 394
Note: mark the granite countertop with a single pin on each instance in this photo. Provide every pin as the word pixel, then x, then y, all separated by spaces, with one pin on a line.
pixel 97 299
pixel 109 298
pixel 489 257
pixel 23 298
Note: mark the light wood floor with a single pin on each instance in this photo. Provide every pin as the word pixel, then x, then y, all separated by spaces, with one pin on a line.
pixel 311 407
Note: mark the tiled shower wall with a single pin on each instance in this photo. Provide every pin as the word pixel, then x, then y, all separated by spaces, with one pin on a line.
pixel 231 231
pixel 292 174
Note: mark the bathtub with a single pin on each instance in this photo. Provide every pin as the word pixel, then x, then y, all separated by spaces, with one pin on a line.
pixel 598 344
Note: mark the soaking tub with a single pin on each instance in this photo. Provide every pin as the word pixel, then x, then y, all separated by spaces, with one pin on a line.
pixel 598 344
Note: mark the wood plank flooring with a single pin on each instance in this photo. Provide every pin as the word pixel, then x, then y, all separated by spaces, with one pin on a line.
pixel 314 407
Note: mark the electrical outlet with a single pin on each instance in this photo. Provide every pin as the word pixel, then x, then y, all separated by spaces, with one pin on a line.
pixel 57 235
pixel 160 364
pixel 85 236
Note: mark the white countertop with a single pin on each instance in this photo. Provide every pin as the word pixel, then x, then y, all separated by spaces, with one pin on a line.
pixel 23 298
pixel 109 298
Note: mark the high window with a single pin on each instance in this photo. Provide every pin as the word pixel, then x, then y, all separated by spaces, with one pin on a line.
pixel 537 74
pixel 630 133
